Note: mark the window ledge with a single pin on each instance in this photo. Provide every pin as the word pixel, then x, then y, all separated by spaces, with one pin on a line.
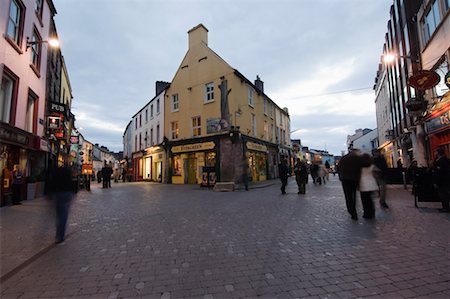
pixel 208 102
pixel 175 110
pixel 251 106
pixel 35 70
pixel 13 44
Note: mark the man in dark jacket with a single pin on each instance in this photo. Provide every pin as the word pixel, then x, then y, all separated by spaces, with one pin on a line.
pixel 442 179
pixel 349 169
pixel 61 191
pixel 283 172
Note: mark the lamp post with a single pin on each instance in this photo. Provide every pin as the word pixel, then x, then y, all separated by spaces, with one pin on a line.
pixel 52 42
pixel 415 107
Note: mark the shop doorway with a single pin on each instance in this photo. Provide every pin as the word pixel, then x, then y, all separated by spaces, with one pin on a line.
pixel 191 169
pixel 159 171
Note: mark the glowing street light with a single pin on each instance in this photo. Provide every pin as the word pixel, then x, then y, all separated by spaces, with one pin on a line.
pixel 53 42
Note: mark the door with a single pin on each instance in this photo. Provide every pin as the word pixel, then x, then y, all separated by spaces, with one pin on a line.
pixel 192 172
pixel 159 172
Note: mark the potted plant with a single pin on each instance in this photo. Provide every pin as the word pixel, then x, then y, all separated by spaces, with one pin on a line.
pixel 31 187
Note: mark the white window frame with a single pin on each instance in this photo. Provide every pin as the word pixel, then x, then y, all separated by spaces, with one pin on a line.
pixel 209 92
pixel 15 22
pixel 175 103
pixel 253 124
pixel 7 94
pixel 196 123
pixel 157 107
pixel 265 106
pixel 157 133
pixel 151 137
pixel 151 111
pixel 174 130
pixel 250 96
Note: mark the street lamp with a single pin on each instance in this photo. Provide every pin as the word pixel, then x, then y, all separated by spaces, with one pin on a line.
pixel 391 57
pixel 53 42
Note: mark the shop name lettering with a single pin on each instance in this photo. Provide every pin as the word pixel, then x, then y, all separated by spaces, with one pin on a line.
pixel 191 147
pixel 438 122
pixel 58 108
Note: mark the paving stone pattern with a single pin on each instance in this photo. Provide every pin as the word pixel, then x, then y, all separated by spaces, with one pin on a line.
pixel 145 240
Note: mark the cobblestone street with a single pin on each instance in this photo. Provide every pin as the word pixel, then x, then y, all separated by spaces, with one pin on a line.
pixel 145 240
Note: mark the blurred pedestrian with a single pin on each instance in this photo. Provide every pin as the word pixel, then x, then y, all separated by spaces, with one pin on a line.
pixel 349 170
pixel 245 173
pixel 61 192
pixel 381 176
pixel 412 173
pixel 17 185
pixel 314 172
pixel 99 176
pixel 301 175
pixel 442 179
pixel 124 175
pixel 283 173
pixel 367 186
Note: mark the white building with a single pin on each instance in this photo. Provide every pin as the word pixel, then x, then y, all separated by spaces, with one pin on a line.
pixel 147 137
pixel 367 143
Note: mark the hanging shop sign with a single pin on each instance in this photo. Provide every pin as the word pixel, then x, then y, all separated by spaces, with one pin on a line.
pixel 152 150
pixel 256 147
pixel 447 79
pixel 74 139
pixel 425 79
pixel 193 147
pixel 415 104
pixel 54 122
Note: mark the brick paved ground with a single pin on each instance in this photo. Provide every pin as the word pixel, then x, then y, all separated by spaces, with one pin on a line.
pixel 146 240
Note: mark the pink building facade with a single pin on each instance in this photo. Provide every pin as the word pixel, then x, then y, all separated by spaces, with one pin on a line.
pixel 23 72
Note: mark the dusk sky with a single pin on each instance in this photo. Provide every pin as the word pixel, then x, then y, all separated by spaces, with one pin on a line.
pixel 306 52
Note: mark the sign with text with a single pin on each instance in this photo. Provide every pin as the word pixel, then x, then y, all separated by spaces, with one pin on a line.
pixel 193 147
pixel 54 122
pixel 256 147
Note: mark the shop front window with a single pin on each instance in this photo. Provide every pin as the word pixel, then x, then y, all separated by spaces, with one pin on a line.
pixel 177 165
pixel 211 159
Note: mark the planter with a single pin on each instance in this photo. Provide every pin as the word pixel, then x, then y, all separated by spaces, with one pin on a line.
pixel 40 188
pixel 31 190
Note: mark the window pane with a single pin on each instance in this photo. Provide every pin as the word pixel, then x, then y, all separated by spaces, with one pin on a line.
pixel 6 93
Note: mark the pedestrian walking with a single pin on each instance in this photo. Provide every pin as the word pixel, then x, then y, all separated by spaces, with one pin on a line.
pixel 314 172
pixel 301 175
pixel 283 173
pixel 124 175
pixel 412 173
pixel 61 192
pixel 245 173
pixel 349 170
pixel 442 179
pixel 381 176
pixel 367 186
pixel 17 185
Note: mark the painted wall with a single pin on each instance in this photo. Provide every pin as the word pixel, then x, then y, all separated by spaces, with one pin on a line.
pixel 19 63
pixel 201 66
pixel 147 125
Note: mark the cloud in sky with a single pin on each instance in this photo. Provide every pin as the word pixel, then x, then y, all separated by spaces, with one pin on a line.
pixel 115 50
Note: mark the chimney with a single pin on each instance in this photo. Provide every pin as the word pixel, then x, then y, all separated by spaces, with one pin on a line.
pixel 198 35
pixel 259 84
pixel 160 86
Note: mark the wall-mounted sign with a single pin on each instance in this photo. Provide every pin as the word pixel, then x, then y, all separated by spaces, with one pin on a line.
pixel 193 147
pixel 256 147
pixel 215 125
pixel 54 122
pixel 438 122
pixel 58 108
pixel 74 139
pixel 424 80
